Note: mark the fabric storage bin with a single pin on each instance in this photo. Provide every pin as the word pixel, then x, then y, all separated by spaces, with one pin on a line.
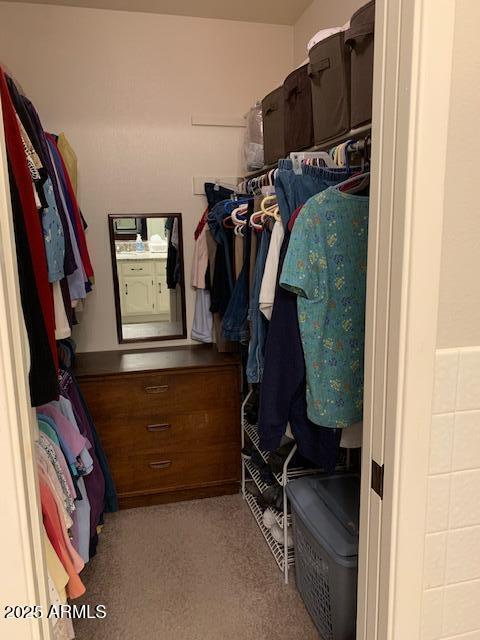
pixel 360 40
pixel 329 71
pixel 273 126
pixel 298 117
pixel 325 533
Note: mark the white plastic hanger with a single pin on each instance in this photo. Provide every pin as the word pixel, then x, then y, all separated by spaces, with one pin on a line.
pixel 272 210
pixel 241 209
pixel 297 157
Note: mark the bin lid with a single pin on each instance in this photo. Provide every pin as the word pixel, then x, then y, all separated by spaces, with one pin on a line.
pixel 330 509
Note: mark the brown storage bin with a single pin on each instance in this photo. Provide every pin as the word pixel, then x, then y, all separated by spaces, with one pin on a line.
pixel 359 39
pixel 329 72
pixel 298 114
pixel 273 126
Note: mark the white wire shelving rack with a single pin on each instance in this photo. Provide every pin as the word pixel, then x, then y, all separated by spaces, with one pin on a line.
pixel 283 554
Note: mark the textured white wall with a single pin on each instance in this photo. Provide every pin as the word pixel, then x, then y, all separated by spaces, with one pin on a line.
pixel 459 312
pixel 123 86
pixel 321 14
pixel 451 598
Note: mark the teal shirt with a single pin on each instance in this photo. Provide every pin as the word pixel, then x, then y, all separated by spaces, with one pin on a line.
pixel 326 266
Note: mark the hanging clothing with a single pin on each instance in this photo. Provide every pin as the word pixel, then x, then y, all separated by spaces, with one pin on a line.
pixel 202 327
pixel 282 394
pixel 33 161
pixel 34 234
pixel 326 267
pixel 173 256
pixel 70 265
pixel 283 397
pixel 76 279
pixel 76 218
pixel 65 407
pixel 200 261
pixel 52 235
pixel 223 280
pixel 43 380
pixel 223 346
pixel 95 481
pixel 59 540
pixel 100 482
pixel 238 251
pixel 62 325
pixel 70 159
pixel 269 280
pixel 55 568
pixel 257 320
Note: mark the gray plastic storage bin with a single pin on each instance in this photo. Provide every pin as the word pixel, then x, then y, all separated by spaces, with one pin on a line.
pixel 325 532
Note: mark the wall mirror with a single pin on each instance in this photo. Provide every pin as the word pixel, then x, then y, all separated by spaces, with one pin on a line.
pixel 148 276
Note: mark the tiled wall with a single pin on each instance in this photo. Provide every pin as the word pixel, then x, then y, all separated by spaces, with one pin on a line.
pixel 451 601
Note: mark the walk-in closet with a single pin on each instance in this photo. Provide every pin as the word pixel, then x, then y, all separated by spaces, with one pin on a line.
pixel 208 261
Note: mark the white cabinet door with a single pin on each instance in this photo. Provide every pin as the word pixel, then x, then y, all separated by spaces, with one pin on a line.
pixel 138 295
pixel 162 296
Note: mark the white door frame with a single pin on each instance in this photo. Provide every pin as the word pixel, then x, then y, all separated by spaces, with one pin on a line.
pixel 412 84
pixel 413 57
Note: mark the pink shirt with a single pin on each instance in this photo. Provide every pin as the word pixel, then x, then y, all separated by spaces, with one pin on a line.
pixel 57 534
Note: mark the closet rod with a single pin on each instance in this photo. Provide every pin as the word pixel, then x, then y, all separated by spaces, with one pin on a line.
pixel 325 146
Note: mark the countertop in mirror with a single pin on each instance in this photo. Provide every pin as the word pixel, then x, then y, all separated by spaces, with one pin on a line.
pixel 144 255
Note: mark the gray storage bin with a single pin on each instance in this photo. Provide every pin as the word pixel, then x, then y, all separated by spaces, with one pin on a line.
pixel 325 532
pixel 273 106
pixel 360 39
pixel 298 119
pixel 329 71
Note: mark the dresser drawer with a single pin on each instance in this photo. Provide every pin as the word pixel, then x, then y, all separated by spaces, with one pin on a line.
pixel 171 432
pixel 165 470
pixel 124 399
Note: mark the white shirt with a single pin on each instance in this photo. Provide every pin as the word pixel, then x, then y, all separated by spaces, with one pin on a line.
pixel 269 281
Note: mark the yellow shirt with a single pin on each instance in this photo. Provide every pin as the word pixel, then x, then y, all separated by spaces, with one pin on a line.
pixel 55 568
pixel 70 159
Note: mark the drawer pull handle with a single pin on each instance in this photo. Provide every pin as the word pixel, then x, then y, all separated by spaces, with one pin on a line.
pixel 158 389
pixel 158 427
pixel 161 464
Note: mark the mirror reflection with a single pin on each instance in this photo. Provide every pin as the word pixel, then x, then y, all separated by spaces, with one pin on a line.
pixel 147 259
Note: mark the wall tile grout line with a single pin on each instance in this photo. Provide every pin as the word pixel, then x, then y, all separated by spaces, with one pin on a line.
pixel 454 448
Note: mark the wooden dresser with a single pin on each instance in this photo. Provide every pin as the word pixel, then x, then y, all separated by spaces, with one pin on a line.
pixel 168 419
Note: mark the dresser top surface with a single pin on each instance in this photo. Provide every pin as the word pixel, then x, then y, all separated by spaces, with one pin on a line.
pixel 98 363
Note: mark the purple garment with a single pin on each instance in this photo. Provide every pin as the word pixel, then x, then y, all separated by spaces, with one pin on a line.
pixel 94 481
pixel 74 440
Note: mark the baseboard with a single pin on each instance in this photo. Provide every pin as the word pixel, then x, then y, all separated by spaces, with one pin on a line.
pixel 129 502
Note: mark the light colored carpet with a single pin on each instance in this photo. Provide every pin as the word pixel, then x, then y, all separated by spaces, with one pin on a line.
pixel 197 570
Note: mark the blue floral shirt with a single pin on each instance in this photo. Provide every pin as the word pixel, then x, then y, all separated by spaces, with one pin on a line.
pixel 53 237
pixel 326 265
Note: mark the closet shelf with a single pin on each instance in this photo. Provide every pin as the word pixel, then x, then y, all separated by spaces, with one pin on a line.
pixel 295 472
pixel 262 487
pixel 275 548
pixel 284 556
pixel 324 146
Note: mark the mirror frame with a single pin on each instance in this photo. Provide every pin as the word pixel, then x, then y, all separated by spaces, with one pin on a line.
pixel 116 283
